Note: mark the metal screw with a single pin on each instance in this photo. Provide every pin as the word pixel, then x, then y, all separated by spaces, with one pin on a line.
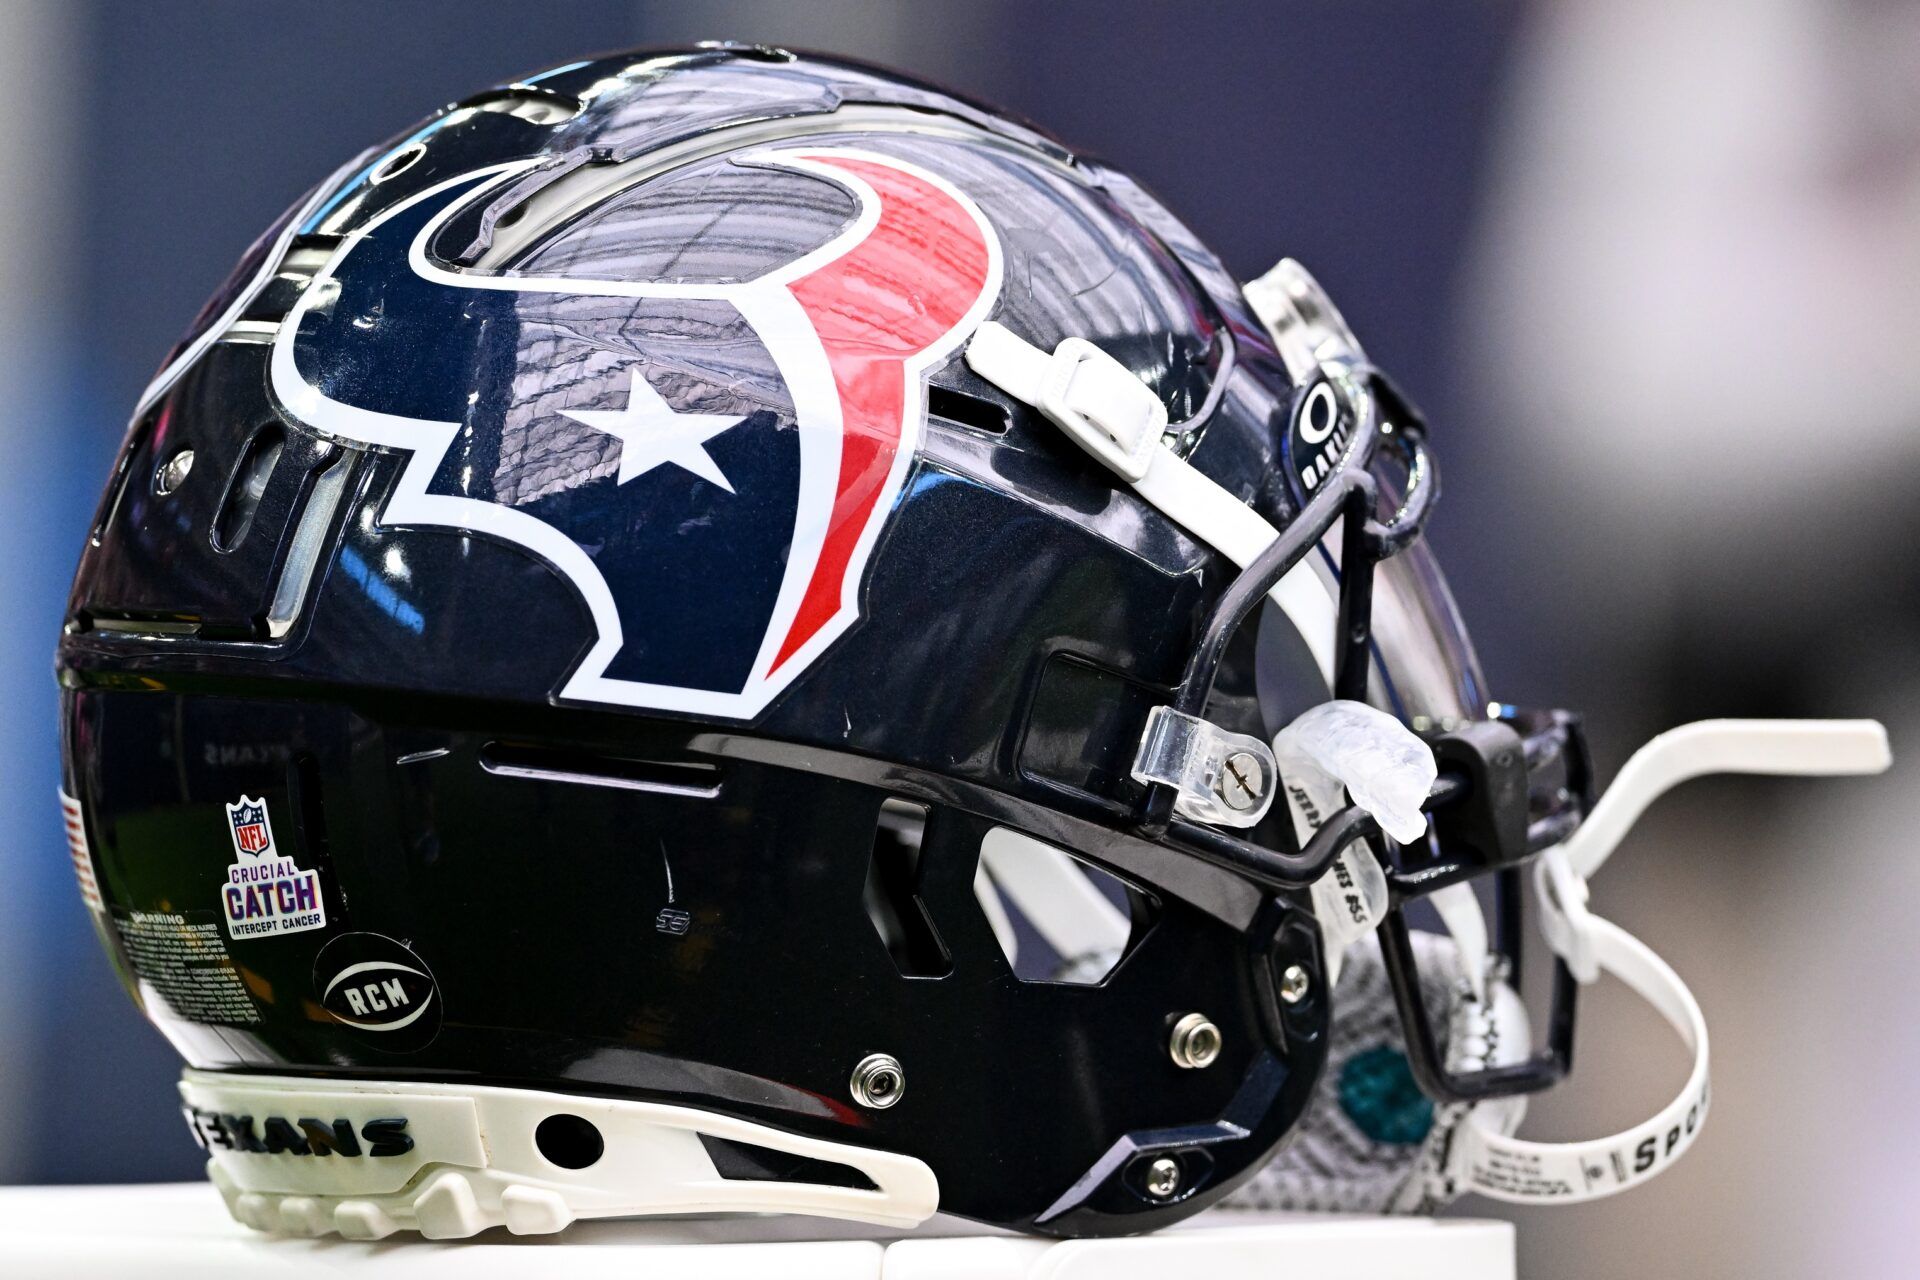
pixel 1294 982
pixel 1196 1041
pixel 879 1081
pixel 1239 782
pixel 1163 1178
pixel 173 472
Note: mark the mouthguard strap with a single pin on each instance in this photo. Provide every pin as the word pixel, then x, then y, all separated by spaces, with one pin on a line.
pixel 1524 1172
pixel 1516 1170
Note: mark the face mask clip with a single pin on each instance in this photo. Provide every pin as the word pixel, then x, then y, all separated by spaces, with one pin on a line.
pixel 1228 779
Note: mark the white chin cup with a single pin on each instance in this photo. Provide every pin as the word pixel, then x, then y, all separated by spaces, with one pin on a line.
pixel 365 1159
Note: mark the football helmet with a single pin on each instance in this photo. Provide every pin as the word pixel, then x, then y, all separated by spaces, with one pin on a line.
pixel 718 630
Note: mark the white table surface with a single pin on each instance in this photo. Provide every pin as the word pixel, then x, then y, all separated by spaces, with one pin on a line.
pixel 181 1230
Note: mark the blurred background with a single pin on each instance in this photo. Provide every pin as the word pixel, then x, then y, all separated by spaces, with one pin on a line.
pixel 1651 266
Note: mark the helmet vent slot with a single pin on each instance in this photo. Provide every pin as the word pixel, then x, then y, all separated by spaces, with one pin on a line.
pixel 525 102
pixel 141 623
pixel 586 768
pixel 892 897
pixel 748 1162
pixel 122 471
pixel 246 486
pixel 748 52
pixel 975 412
pixel 399 162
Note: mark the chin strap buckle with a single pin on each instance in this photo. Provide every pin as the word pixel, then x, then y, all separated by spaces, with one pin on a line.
pixel 1080 389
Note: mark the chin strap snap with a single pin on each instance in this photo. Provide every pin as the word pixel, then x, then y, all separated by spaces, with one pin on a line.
pixel 1514 1169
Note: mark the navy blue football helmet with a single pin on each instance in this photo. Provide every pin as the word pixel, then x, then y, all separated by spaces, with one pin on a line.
pixel 704 631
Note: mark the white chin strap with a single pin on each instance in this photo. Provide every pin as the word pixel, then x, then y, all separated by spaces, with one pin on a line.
pixel 1117 418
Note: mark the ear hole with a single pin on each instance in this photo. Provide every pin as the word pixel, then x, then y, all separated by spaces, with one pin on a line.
pixel 246 486
pixel 569 1141
pixel 1057 918
pixel 892 894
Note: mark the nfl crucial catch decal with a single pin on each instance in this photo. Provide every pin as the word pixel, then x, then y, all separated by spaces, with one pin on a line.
pixel 266 893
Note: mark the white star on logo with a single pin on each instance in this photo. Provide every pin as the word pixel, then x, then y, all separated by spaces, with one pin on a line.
pixel 653 433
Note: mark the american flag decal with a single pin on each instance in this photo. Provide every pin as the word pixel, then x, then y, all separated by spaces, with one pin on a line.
pixel 81 855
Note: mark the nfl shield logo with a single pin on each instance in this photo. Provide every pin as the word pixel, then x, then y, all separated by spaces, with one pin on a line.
pixel 252 835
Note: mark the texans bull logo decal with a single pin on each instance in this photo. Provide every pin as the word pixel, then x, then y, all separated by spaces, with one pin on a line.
pixel 718 536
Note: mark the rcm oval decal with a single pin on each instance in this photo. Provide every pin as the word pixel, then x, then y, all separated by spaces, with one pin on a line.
pixel 380 989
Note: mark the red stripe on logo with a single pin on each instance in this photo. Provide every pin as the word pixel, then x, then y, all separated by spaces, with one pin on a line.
pixel 891 297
